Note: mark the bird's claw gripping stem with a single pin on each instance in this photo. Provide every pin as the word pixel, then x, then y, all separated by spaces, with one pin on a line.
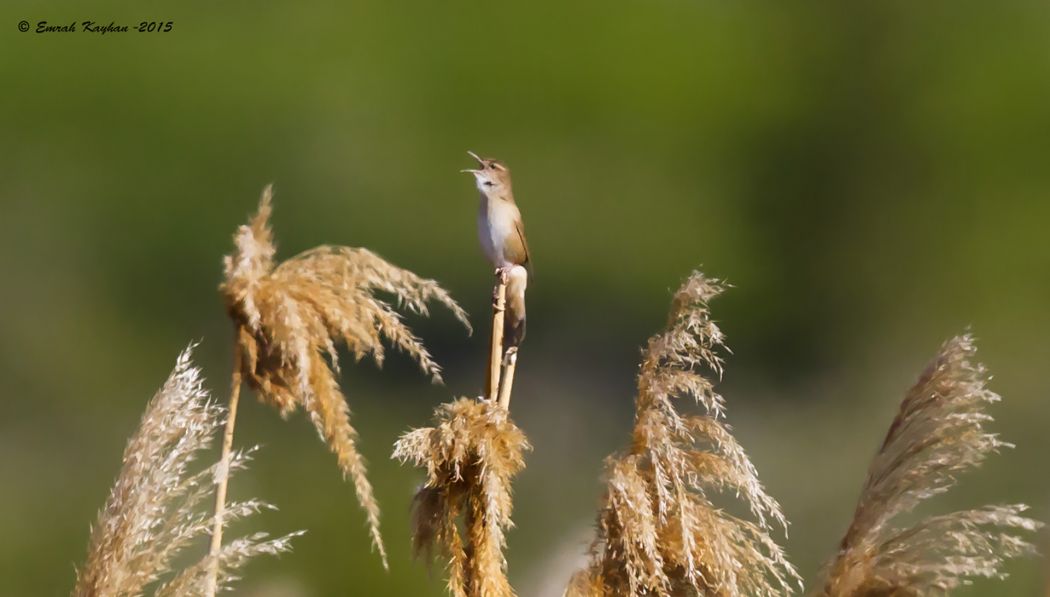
pixel 502 274
pixel 511 353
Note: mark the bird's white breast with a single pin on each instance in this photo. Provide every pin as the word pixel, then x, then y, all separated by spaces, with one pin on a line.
pixel 496 219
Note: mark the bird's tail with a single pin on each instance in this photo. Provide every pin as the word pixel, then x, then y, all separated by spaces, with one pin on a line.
pixel 514 321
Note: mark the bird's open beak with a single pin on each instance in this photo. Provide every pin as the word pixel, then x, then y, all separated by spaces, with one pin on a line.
pixel 480 161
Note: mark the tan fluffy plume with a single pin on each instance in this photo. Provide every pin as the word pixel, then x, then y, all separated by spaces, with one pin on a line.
pixel 152 514
pixel 290 316
pixel 470 454
pixel 658 530
pixel 938 434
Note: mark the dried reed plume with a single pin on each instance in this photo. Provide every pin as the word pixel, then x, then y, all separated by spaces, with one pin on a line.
pixel 289 316
pixel 658 532
pixel 937 435
pixel 152 514
pixel 470 455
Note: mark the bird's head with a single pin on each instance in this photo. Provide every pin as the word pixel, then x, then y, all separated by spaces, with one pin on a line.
pixel 491 176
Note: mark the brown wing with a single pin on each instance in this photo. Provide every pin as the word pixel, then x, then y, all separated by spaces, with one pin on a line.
pixel 526 259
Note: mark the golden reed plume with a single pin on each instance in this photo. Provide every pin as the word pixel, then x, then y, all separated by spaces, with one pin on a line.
pixel 937 435
pixel 290 316
pixel 658 531
pixel 152 513
pixel 470 454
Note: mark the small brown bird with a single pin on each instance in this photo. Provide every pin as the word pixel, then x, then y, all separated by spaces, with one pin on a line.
pixel 502 236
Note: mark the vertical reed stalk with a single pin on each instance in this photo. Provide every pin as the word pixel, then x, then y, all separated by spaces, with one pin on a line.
pixel 507 382
pixel 223 474
pixel 499 305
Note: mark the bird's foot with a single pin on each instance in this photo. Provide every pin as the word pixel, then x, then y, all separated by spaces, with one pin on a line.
pixel 503 272
pixel 502 275
pixel 510 355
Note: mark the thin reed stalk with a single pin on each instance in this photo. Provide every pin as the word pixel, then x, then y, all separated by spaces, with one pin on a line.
pixel 510 363
pixel 223 478
pixel 499 307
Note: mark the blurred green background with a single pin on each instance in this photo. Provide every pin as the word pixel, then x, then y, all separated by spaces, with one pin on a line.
pixel 871 177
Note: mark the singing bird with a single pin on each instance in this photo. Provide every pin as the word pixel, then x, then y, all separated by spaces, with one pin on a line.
pixel 502 236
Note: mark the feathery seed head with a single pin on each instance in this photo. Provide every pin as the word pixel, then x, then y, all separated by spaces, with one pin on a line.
pixel 938 434
pixel 658 530
pixel 152 512
pixel 470 455
pixel 290 316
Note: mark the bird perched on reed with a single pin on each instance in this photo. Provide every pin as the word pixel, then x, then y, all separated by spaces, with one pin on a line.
pixel 502 236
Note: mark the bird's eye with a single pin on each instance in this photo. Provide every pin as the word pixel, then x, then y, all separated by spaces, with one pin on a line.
pixel 488 183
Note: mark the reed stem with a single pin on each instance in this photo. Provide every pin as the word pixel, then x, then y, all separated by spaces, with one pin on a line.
pixel 499 305
pixel 510 363
pixel 223 475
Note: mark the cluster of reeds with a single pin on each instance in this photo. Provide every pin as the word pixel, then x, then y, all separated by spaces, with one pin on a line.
pixel 289 318
pixel 661 527
pixel 938 434
pixel 152 514
pixel 659 531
